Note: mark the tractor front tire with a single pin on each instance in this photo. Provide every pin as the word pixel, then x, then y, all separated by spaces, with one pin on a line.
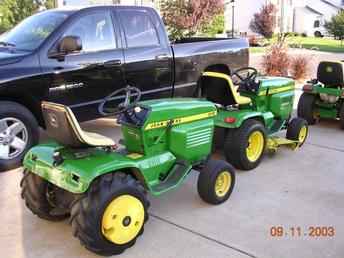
pixel 244 147
pixel 35 192
pixel 298 130
pixel 305 108
pixel 216 182
pixel 111 215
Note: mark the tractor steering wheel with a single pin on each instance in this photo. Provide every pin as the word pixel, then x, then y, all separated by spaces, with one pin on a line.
pixel 247 78
pixel 129 92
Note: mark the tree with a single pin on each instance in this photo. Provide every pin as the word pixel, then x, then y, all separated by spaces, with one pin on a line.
pixel 184 18
pixel 216 26
pixel 336 26
pixel 14 11
pixel 264 22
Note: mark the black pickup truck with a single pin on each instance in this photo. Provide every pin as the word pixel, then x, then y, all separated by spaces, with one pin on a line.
pixel 78 56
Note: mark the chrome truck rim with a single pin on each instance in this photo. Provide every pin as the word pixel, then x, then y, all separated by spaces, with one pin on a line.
pixel 13 138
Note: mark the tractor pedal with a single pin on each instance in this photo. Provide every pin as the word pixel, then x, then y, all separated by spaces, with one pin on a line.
pixel 176 175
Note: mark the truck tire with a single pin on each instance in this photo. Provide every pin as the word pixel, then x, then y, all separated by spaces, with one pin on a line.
pixel 101 218
pixel 298 130
pixel 35 192
pixel 216 182
pixel 305 108
pixel 244 147
pixel 341 116
pixel 18 133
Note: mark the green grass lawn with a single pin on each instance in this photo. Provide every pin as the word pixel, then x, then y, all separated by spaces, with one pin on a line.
pixel 319 44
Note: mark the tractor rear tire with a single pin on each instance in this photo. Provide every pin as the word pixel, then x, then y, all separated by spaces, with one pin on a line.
pixel 103 210
pixel 341 116
pixel 35 192
pixel 298 130
pixel 216 182
pixel 305 108
pixel 237 144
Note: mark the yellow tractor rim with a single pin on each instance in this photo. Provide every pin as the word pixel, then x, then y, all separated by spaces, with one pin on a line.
pixel 123 219
pixel 223 183
pixel 303 134
pixel 255 146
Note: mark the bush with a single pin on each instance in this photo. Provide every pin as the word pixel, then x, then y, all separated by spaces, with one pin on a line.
pixel 276 60
pixel 253 40
pixel 299 67
pixel 304 35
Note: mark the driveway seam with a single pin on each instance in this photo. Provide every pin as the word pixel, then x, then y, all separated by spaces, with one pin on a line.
pixel 325 147
pixel 203 236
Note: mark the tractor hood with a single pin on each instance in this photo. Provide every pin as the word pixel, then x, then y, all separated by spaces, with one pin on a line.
pixel 275 84
pixel 164 111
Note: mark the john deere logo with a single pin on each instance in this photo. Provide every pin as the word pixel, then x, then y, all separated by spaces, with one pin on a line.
pixel 329 69
pixel 53 120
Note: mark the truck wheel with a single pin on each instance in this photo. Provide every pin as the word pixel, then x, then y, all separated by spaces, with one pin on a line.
pixel 244 147
pixel 298 130
pixel 216 182
pixel 38 197
pixel 341 116
pixel 111 215
pixel 305 108
pixel 18 133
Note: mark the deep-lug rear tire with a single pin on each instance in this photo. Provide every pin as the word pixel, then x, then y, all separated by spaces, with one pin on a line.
pixel 35 192
pixel 298 130
pixel 244 147
pixel 216 182
pixel 341 116
pixel 305 108
pixel 18 133
pixel 101 218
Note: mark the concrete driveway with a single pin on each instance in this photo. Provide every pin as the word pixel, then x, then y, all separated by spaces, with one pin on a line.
pixel 290 189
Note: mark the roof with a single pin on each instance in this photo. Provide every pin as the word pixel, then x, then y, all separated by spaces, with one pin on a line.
pixel 308 8
pixel 331 4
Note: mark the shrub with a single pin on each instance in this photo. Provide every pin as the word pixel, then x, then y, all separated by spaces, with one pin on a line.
pixel 299 67
pixel 276 60
pixel 253 40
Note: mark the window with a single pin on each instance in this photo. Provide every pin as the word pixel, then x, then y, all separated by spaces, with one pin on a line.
pixel 30 33
pixel 139 29
pixel 317 24
pixel 95 31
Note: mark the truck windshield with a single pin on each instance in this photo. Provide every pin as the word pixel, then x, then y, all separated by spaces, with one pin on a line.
pixel 30 33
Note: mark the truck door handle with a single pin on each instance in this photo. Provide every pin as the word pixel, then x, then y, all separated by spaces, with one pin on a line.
pixel 112 63
pixel 162 57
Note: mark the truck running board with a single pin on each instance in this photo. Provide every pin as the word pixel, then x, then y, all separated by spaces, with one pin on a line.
pixel 176 176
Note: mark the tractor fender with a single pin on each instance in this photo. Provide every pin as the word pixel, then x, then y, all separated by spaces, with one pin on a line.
pixel 239 117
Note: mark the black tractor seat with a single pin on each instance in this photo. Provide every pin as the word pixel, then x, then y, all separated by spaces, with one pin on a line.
pixel 62 126
pixel 226 93
pixel 331 74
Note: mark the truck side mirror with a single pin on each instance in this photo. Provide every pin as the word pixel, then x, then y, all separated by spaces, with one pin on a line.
pixel 70 44
pixel 67 45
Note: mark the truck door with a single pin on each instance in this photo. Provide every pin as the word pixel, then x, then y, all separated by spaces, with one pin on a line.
pixel 148 57
pixel 82 79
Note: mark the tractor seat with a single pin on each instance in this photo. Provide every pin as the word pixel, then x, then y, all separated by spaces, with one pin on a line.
pixel 331 74
pixel 232 94
pixel 62 125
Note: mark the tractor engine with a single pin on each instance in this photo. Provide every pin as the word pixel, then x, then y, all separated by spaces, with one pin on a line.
pixel 183 127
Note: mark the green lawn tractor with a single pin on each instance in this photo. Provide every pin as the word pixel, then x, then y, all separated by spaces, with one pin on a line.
pixel 324 97
pixel 103 187
pixel 251 111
